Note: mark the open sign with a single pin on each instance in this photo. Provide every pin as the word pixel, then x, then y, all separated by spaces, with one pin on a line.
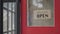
pixel 42 14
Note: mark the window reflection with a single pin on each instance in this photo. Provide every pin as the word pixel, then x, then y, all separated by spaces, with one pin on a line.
pixel 8 17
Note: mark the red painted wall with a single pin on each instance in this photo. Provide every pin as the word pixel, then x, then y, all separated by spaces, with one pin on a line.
pixel 40 30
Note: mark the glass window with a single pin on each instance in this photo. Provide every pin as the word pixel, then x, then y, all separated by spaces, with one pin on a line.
pixel 40 13
pixel 9 17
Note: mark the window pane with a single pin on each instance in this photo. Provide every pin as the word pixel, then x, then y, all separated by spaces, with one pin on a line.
pixel 4 20
pixel 10 3
pixel 10 21
pixel 13 22
pixel 40 13
pixel 9 17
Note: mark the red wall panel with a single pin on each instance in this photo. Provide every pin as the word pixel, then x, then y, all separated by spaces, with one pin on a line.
pixel 40 30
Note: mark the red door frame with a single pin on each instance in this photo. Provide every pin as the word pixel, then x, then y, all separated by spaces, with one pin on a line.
pixel 40 30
